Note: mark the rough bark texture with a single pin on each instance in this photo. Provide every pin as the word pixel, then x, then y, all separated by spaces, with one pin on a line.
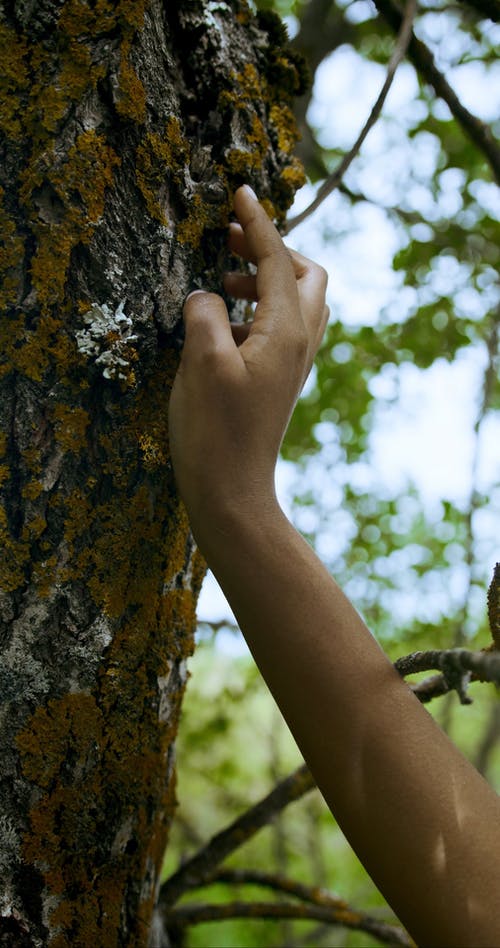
pixel 125 127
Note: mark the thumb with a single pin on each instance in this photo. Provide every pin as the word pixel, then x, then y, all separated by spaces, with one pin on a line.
pixel 208 329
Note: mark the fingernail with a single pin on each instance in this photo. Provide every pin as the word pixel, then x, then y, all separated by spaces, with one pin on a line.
pixel 192 293
pixel 250 191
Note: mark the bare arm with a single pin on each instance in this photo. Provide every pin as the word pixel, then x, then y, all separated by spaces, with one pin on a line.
pixel 422 820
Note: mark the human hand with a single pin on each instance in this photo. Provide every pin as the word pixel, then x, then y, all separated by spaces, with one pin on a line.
pixel 236 386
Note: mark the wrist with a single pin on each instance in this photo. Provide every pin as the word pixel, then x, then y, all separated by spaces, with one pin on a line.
pixel 220 528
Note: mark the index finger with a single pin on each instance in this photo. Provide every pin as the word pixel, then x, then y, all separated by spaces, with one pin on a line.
pixel 275 271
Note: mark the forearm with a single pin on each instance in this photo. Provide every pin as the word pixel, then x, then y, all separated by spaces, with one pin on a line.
pixel 413 809
pixel 423 822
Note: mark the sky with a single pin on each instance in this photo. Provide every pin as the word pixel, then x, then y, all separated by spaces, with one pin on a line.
pixel 427 433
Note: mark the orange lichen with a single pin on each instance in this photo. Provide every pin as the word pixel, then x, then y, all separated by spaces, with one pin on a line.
pixel 87 172
pixel 98 758
pixel 50 102
pixel 161 158
pixel 242 162
pixel 294 175
pixel 82 19
pixel 283 120
pixel 62 748
pixel 177 619
pixel 79 515
pixel 152 451
pixel 249 81
pixel 46 573
pixel 71 423
pixel 31 458
pixel 28 350
pixel 269 208
pixel 14 560
pixel 131 103
pixel 256 96
pixel 64 727
pixel 33 528
pixel 11 252
pixel 244 13
pixel 32 490
pixel 14 80
pixel 102 749
pixel 190 230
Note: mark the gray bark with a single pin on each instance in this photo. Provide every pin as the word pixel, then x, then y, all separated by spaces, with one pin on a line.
pixel 124 129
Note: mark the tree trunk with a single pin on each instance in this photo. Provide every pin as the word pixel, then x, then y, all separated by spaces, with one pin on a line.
pixel 125 128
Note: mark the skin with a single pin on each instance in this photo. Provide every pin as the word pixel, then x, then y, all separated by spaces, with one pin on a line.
pixel 421 819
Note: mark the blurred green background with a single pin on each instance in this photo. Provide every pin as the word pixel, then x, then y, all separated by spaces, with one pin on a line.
pixel 391 466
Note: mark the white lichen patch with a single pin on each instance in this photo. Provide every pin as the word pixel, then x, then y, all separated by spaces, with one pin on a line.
pixel 210 12
pixel 10 848
pixel 107 339
pixel 217 6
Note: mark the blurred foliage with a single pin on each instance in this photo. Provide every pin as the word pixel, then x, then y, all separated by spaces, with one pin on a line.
pixel 417 568
pixel 233 745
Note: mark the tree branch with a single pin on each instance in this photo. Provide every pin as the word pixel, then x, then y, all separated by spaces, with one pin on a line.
pixel 313 895
pixel 203 864
pixel 485 8
pixel 478 131
pixel 278 883
pixel 191 914
pixel 489 740
pixel 494 606
pixel 218 624
pixel 457 666
pixel 333 181
pixel 323 28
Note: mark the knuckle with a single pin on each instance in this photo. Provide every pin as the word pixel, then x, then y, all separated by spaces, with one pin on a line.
pixel 322 274
pixel 276 248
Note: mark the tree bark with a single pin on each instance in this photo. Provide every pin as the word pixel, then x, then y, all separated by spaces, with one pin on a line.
pixel 125 128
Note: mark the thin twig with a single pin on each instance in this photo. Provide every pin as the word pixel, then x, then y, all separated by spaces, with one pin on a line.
pixel 434 687
pixel 333 181
pixel 218 624
pixel 484 8
pixel 203 864
pixel 457 666
pixel 194 914
pixel 278 883
pixel 489 741
pixel 314 895
pixel 420 55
